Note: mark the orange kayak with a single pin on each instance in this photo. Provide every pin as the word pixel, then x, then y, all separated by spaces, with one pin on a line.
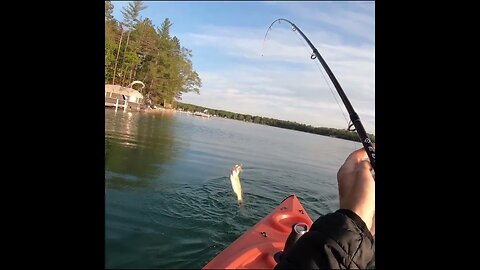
pixel 258 247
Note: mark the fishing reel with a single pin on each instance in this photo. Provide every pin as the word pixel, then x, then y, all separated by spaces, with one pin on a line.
pixel 298 230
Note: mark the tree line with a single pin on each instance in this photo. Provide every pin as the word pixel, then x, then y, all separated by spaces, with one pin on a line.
pixel 135 49
pixel 332 132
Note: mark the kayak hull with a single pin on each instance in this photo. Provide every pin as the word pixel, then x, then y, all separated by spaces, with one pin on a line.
pixel 257 247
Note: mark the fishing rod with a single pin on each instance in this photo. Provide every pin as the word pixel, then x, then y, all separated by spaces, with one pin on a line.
pixel 354 118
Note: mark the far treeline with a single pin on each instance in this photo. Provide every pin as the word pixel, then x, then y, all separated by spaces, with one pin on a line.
pixel 332 132
pixel 135 49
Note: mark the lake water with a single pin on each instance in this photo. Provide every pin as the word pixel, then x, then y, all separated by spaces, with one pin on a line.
pixel 169 201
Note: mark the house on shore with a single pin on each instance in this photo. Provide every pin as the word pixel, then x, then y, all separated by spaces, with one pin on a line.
pixel 123 97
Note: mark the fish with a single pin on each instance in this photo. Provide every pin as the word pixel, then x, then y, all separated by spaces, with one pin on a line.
pixel 235 179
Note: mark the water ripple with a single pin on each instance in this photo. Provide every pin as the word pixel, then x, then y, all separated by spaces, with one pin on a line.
pixel 169 201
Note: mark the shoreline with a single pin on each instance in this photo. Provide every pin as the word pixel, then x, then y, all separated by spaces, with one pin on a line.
pixel 158 110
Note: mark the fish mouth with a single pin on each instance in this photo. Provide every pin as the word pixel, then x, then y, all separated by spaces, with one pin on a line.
pixel 237 168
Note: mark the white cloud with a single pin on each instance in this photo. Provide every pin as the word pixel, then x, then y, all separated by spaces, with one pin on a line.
pixel 356 19
pixel 285 83
pixel 298 96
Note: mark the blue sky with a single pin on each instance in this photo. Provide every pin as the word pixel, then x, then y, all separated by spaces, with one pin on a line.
pixel 227 41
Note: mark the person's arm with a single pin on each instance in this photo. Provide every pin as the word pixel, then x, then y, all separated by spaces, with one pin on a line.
pixel 343 239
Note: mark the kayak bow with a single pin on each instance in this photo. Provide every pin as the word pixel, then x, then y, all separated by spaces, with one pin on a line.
pixel 259 246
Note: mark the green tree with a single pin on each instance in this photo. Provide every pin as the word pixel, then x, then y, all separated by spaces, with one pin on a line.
pixel 111 40
pixel 149 54
pixel 131 14
pixel 108 11
pixel 118 53
pixel 171 72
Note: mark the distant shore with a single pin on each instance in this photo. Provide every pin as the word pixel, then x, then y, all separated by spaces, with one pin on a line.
pixel 159 110
pixel 331 132
pixel 197 111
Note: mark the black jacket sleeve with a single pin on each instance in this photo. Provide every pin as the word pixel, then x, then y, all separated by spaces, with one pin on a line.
pixel 339 240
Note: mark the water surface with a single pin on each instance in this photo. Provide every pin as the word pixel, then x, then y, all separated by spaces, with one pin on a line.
pixel 169 201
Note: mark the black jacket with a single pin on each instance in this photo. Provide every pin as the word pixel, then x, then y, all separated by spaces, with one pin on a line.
pixel 339 240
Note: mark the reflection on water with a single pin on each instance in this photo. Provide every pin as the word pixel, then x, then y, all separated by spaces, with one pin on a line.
pixel 134 146
pixel 169 200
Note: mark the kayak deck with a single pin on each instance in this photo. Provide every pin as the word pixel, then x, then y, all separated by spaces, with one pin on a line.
pixel 256 247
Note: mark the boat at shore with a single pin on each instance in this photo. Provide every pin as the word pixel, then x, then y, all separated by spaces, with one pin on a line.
pixel 202 114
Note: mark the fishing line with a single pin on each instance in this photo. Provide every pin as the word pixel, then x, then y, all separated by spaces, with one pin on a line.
pixel 348 122
pixel 354 117
pixel 318 67
pixel 324 78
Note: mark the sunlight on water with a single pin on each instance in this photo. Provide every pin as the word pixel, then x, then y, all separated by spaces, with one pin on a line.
pixel 169 198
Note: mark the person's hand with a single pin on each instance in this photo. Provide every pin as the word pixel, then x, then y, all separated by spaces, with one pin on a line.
pixel 356 186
